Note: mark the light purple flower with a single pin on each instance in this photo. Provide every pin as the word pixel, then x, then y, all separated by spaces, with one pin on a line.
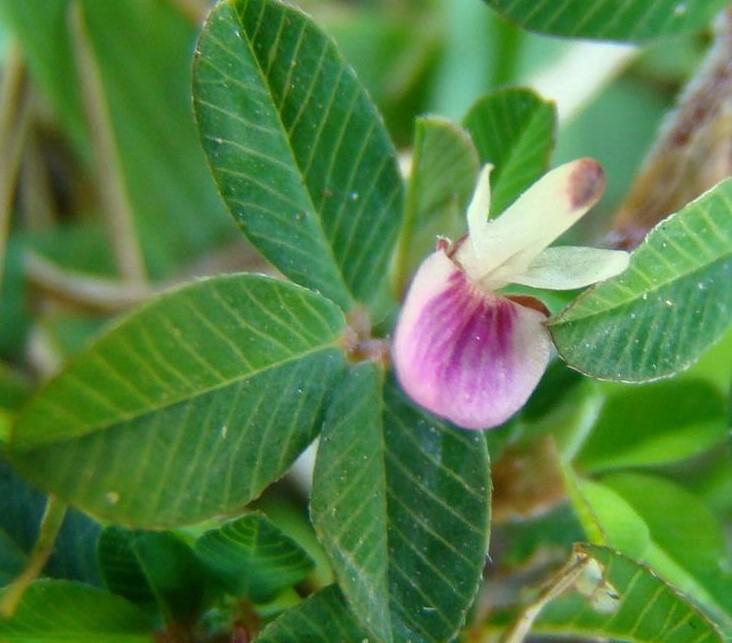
pixel 463 350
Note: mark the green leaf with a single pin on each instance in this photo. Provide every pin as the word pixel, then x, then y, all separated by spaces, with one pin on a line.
pixel 348 502
pixel 121 569
pixel 514 129
pixel 401 504
pixel 647 609
pixel 175 575
pixel 153 570
pixel 609 19
pixel 542 535
pixel 12 559
pixel 658 523
pixel 189 407
pixel 53 610
pixel 689 547
pixel 607 518
pixel 710 480
pixel 655 424
pixel 287 513
pixel 177 211
pixel 715 365
pixel 298 150
pixel 444 167
pixel 14 388
pixel 322 618
pixel 15 313
pixel 21 509
pixel 252 558
pixel 673 302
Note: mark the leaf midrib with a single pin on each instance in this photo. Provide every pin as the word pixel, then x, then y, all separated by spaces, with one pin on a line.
pixel 30 445
pixel 283 131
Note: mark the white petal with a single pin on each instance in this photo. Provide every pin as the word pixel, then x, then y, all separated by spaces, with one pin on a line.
pixel 569 267
pixel 471 250
pixel 510 243
pixel 480 206
pixel 466 354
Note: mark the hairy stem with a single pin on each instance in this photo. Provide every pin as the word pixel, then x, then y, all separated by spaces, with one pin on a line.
pixel 563 580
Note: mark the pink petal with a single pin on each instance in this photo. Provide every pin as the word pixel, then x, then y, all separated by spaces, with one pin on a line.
pixel 466 354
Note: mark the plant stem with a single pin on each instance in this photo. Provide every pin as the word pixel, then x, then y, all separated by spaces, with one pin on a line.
pixel 111 185
pixel 84 291
pixel 37 205
pixel 563 580
pixel 13 127
pixel 53 518
pixel 693 150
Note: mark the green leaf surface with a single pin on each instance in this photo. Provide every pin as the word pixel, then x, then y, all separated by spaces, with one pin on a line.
pixel 177 211
pixel 441 181
pixel 658 523
pixel 401 504
pixel 688 539
pixel 673 301
pixel 15 315
pixel 710 479
pixel 120 567
pixel 53 610
pixel 715 365
pixel 287 513
pixel 348 502
pixel 298 150
pixel 21 509
pixel 252 558
pixel 438 483
pixel 12 559
pixel 513 129
pixel 609 19
pixel 322 618
pixel 647 611
pixel 538 536
pixel 14 388
pixel 188 407
pixel 607 518
pixel 655 424
pixel 176 577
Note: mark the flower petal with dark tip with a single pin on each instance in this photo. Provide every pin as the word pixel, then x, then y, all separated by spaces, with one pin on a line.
pixel 464 353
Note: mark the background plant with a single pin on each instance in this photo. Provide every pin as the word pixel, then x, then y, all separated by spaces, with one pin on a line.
pixel 159 437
